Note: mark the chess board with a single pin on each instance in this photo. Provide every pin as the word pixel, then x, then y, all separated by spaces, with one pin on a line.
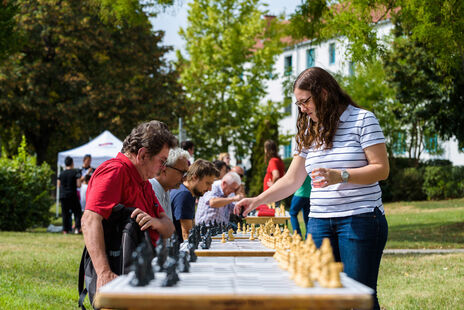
pixel 239 247
pixel 236 236
pixel 227 283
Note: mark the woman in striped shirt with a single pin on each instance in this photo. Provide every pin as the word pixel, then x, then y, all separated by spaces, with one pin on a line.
pixel 342 148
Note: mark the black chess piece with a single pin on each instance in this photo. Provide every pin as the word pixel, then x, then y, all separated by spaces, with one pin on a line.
pixel 203 229
pixel 208 239
pixel 171 274
pixel 161 255
pixel 183 264
pixel 141 265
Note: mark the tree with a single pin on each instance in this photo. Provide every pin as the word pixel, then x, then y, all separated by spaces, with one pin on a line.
pixel 76 75
pixel 433 25
pixel 8 39
pixel 231 50
pixel 416 78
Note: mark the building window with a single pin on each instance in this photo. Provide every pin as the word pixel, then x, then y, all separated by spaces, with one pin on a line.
pixel 399 145
pixel 431 145
pixel 288 65
pixel 331 53
pixel 310 58
pixel 288 150
pixel 351 68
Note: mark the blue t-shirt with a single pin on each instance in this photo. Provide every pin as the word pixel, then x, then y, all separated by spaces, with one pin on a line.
pixel 183 207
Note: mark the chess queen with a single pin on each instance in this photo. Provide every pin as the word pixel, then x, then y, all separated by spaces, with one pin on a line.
pixel 342 148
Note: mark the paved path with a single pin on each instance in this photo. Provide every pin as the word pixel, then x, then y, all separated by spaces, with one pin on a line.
pixel 423 251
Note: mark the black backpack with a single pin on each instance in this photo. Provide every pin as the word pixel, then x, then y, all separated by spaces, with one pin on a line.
pixel 122 236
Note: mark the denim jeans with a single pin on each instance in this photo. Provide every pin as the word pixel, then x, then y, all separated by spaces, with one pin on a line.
pixel 357 241
pixel 299 203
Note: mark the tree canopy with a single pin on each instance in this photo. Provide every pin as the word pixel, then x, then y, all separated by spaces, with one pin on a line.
pixel 75 75
pixel 231 49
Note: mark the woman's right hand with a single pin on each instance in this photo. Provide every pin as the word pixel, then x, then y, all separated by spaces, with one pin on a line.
pixel 245 206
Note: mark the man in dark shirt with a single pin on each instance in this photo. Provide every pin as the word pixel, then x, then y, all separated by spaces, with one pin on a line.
pixel 68 181
pixel 86 168
pixel 200 177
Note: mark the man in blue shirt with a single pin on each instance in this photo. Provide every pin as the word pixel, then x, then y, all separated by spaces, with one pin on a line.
pixel 200 177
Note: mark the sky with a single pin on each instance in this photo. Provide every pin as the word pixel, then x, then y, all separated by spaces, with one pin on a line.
pixel 176 17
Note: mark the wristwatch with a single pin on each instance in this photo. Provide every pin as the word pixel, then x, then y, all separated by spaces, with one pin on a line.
pixel 345 175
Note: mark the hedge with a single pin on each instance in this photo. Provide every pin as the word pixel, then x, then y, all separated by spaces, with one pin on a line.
pixel 25 190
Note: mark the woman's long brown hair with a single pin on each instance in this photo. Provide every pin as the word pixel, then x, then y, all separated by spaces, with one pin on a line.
pixel 270 150
pixel 329 99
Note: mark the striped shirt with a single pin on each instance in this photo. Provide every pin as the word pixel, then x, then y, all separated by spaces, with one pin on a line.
pixel 357 130
pixel 206 213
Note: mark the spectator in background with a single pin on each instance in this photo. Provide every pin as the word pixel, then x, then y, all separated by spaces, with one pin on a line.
pixel 200 176
pixel 221 167
pixel 86 168
pixel 170 177
pixel 83 191
pixel 217 204
pixel 188 146
pixel 275 168
pixel 225 157
pixel 300 201
pixel 68 182
pixel 241 173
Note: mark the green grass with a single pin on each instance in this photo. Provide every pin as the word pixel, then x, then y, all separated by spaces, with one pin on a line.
pixel 421 282
pixel 39 270
pixel 423 224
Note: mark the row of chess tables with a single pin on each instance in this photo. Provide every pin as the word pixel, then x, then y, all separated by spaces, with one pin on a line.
pixel 239 274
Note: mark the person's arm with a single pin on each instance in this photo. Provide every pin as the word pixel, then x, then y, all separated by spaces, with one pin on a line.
pixel 219 202
pixel 284 187
pixel 162 224
pixel 377 169
pixel 92 229
pixel 186 225
pixel 275 175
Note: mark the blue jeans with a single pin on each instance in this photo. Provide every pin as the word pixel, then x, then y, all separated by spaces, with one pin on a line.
pixel 357 241
pixel 299 203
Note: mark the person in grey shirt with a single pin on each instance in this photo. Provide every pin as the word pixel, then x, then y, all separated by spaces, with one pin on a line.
pixel 170 177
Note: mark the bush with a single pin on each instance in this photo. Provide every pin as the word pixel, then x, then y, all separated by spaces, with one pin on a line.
pixel 24 191
pixel 443 182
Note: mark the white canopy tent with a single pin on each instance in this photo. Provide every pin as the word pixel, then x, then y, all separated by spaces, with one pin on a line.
pixel 102 148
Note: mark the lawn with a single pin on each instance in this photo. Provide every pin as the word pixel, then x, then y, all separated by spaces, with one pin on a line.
pixel 39 270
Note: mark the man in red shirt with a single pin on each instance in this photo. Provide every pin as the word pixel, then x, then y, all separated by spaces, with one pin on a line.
pixel 124 180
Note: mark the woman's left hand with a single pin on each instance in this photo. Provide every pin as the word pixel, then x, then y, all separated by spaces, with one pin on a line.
pixel 323 177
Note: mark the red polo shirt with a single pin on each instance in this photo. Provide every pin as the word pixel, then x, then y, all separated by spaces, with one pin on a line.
pixel 118 181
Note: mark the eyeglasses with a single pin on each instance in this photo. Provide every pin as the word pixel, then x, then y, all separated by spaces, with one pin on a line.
pixel 303 103
pixel 184 173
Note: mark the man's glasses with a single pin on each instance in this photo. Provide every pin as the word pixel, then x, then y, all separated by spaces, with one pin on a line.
pixel 184 173
pixel 303 103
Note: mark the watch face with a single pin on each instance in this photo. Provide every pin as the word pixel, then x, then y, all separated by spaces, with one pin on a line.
pixel 345 176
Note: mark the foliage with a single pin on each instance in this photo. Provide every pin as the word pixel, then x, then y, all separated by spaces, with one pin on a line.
pixel 414 75
pixel 434 26
pixel 444 182
pixel 369 89
pixel 267 128
pixel 8 39
pixel 231 50
pixel 76 75
pixel 24 191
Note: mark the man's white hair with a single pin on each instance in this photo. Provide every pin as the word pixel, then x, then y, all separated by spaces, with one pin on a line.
pixel 175 154
pixel 232 177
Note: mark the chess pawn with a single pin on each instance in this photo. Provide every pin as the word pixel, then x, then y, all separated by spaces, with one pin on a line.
pixel 334 275
pixel 223 240
pixel 239 229
pixel 252 232
pixel 231 235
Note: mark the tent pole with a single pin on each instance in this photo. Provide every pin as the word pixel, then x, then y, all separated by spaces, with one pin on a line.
pixel 57 188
